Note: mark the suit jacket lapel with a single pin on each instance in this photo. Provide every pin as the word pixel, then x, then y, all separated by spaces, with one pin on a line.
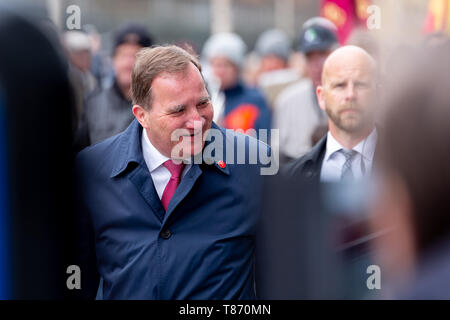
pixel 313 160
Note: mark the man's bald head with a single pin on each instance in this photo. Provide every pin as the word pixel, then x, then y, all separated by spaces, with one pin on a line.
pixel 348 90
pixel 351 57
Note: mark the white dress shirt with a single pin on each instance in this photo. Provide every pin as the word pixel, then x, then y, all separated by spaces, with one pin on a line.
pixel 334 159
pixel 154 160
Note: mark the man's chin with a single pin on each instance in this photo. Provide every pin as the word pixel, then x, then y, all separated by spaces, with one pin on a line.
pixel 187 152
pixel 352 125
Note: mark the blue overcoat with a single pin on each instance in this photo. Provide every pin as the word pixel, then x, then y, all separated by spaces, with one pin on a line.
pixel 201 248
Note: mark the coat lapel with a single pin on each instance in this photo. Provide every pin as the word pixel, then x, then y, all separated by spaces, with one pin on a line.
pixel 188 181
pixel 130 162
pixel 143 181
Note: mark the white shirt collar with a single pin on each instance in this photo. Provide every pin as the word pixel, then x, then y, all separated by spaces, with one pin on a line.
pixel 153 158
pixel 365 147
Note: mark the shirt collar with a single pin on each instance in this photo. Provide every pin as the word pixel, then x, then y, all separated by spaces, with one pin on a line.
pixel 153 158
pixel 130 149
pixel 365 147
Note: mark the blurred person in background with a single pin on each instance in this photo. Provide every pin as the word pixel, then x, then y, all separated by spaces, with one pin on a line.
pixel 297 113
pixel 363 38
pixel 435 39
pixel 78 49
pixel 274 49
pixel 347 94
pixel 109 112
pixel 244 108
pixel 101 66
pixel 411 206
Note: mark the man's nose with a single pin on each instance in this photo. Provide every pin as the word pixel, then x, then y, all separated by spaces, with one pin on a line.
pixel 195 119
pixel 350 93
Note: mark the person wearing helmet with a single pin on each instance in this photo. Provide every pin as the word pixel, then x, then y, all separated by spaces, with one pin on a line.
pixel 297 113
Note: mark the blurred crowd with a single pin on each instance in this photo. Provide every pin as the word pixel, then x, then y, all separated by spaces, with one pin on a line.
pixel 273 86
pixel 287 84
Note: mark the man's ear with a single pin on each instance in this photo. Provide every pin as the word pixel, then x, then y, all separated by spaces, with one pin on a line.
pixel 141 115
pixel 320 97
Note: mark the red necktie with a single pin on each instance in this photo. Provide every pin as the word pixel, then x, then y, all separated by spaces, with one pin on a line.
pixel 175 171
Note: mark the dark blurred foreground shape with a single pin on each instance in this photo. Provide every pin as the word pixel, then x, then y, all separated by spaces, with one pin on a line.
pixel 313 241
pixel 36 105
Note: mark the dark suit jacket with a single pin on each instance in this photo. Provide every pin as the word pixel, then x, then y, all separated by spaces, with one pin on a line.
pixel 201 248
pixel 321 253
pixel 309 165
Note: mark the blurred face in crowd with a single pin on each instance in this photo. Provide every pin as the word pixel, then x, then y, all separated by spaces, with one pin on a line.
pixel 314 65
pixel 348 89
pixel 124 58
pixel 179 100
pixel 226 71
pixel 272 63
pixel 81 59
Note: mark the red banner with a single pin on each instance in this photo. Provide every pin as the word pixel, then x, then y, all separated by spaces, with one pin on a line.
pixel 345 14
pixel 438 17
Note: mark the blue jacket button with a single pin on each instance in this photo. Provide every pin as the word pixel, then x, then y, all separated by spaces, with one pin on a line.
pixel 165 234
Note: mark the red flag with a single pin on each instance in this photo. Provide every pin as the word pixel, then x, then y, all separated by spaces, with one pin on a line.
pixel 345 14
pixel 438 17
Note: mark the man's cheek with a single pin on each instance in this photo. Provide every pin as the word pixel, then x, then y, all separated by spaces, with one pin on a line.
pixel 210 115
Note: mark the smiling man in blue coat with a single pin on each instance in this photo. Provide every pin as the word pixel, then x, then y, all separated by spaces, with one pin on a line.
pixel 156 222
